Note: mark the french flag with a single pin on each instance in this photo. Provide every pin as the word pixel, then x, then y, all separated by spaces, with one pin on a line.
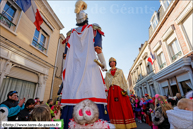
pixel 30 9
pixel 153 57
pixel 150 59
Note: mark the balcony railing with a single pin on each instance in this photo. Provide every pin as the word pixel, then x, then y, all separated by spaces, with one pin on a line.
pixel 39 46
pixel 6 21
pixel 176 55
pixel 162 65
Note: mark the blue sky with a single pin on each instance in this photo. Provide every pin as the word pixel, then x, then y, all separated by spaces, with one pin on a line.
pixel 125 24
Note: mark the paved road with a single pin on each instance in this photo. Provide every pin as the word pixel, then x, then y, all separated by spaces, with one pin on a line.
pixel 142 126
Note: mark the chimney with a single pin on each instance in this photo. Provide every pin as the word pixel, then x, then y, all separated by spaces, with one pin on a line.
pixel 141 45
pixel 139 49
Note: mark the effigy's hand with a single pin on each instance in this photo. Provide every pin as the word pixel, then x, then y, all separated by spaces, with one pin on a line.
pixel 105 68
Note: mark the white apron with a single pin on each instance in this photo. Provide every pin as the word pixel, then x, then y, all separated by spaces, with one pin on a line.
pixel 82 78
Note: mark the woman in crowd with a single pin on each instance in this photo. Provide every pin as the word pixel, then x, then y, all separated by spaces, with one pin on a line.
pixel 133 105
pixel 149 104
pixel 178 97
pixel 159 117
pixel 138 105
pixel 143 108
pixel 42 113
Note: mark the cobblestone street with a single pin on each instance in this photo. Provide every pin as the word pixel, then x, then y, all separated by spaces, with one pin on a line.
pixel 142 126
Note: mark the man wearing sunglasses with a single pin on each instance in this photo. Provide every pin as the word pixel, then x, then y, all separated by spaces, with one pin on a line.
pixel 13 104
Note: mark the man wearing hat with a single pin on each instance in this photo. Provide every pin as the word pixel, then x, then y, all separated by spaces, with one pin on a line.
pixel 13 105
pixel 82 78
pixel 119 106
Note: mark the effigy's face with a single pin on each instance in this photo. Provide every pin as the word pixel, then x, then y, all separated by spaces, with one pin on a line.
pixel 82 7
pixel 85 112
pixel 112 64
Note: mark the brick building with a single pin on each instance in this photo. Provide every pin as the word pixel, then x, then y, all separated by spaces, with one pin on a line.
pixel 171 42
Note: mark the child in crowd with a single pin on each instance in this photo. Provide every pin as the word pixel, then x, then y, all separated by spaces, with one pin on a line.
pixel 182 115
pixel 185 104
pixel 138 105
pixel 133 105
pixel 142 113
pixel 159 117
pixel 144 109
pixel 37 102
pixel 149 104
pixel 50 103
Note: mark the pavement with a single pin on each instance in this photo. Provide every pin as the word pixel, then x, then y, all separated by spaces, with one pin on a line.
pixel 142 126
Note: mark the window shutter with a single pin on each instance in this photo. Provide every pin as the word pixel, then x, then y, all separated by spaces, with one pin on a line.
pixel 187 24
pixel 22 74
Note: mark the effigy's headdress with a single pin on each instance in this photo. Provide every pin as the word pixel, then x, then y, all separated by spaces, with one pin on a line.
pixel 81 16
pixel 112 59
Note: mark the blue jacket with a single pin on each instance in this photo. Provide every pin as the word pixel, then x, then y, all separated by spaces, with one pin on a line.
pixel 13 108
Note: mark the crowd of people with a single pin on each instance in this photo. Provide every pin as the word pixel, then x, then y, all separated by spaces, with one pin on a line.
pixel 159 112
pixel 14 109
pixel 164 112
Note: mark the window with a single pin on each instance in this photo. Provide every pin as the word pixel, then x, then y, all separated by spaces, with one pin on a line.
pixel 161 60
pixel 147 66
pixel 141 67
pixel 187 26
pixel 7 15
pixel 136 76
pixel 9 11
pixel 40 40
pixel 174 50
pixel 139 73
pixel 154 22
pixel 166 3
pixel 36 35
pixel 24 88
pixel 10 15
pixel 160 57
